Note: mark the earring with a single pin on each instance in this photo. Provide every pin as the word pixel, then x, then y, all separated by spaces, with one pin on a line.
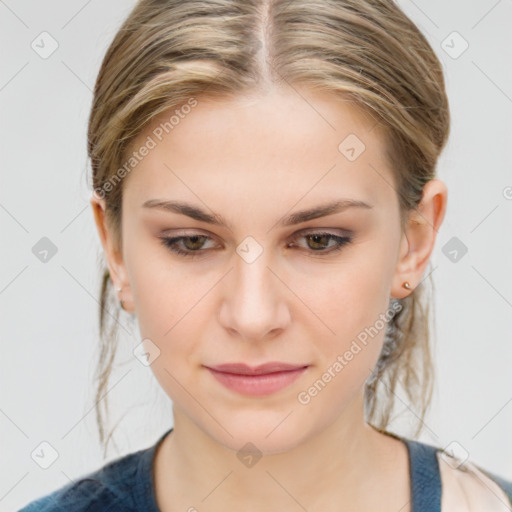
pixel 119 289
pixel 406 285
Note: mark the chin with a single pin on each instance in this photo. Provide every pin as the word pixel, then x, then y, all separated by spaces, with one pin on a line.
pixel 260 432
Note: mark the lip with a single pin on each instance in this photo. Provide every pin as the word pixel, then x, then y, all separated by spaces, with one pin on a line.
pixel 259 380
pixel 244 369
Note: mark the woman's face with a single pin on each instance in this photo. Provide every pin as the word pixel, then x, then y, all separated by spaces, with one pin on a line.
pixel 257 289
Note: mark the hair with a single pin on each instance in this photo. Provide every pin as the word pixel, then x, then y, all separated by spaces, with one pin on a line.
pixel 368 52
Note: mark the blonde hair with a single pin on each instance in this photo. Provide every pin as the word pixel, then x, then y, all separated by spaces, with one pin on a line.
pixel 366 51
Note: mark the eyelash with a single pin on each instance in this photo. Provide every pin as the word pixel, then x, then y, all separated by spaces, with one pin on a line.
pixel 171 243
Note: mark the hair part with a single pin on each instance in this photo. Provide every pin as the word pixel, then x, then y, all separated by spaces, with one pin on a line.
pixel 365 51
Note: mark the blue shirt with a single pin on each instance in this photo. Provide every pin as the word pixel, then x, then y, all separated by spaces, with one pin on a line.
pixel 127 484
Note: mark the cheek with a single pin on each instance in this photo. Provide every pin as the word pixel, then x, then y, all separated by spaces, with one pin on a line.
pixel 351 302
pixel 349 297
pixel 162 292
pixel 168 306
pixel 353 306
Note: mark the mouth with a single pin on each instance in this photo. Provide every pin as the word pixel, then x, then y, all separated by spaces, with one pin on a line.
pixel 256 381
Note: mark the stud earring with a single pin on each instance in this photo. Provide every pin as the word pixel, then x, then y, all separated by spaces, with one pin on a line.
pixel 406 285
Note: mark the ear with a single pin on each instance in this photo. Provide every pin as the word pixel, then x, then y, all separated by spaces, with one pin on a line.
pixel 113 254
pixel 419 236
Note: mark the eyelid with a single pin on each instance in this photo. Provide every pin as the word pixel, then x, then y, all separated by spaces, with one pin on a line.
pixel 305 231
pixel 340 241
pixel 334 231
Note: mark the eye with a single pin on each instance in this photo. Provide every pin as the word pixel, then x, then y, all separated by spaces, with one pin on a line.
pixel 318 241
pixel 192 246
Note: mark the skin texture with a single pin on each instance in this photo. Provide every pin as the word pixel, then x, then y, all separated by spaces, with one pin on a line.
pixel 253 160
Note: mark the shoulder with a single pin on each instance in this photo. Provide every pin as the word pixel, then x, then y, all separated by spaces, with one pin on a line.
pixel 107 489
pixel 467 487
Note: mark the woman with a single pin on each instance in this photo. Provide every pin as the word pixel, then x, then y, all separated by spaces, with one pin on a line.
pixel 265 195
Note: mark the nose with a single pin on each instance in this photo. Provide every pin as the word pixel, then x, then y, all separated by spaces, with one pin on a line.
pixel 254 305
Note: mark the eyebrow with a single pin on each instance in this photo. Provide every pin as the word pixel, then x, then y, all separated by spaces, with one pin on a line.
pixel 197 213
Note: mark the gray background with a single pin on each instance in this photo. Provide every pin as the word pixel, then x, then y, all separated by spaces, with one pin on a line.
pixel 49 310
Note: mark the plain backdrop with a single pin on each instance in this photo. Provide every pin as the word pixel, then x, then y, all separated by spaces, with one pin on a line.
pixel 49 310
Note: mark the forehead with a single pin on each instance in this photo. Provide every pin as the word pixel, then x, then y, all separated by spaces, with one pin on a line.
pixel 279 145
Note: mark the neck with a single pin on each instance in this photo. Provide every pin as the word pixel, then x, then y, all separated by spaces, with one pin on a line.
pixel 334 469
